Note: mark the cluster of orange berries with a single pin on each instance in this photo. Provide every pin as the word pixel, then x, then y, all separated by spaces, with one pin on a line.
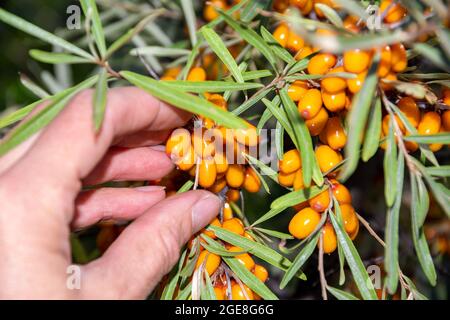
pixel 426 122
pixel 205 148
pixel 212 262
pixel 203 155
pixel 308 213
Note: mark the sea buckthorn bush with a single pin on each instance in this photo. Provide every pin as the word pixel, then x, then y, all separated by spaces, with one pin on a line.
pixel 322 125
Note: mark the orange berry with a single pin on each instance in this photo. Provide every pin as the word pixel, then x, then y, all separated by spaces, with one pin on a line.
pixel 435 147
pixel 215 223
pixel 327 158
pixel 219 101
pixel 297 90
pixel 291 161
pixel 334 84
pixel 211 260
pixel 399 57
pixel 303 53
pixel 298 180
pixel 197 74
pixel 248 236
pixel 396 12
pixel 391 76
pixel 203 146
pixel 318 123
pixel 355 233
pixel 307 8
pixel 321 63
pixel 235 176
pixel 238 294
pixel 320 202
pixel 430 123
pixel 334 102
pixel 385 124
pixel 295 42
pixel 281 34
pixel 218 186
pixel 446 120
pixel 233 195
pixel 243 258
pixel 207 173
pixel 298 3
pixel 234 225
pixel 178 144
pixel 341 193
pixel 187 161
pixel 356 61
pixel 286 179
pixel 355 85
pixel 248 137
pixel 349 217
pixel 335 134
pixel 251 181
pixel 221 162
pixel 227 212
pixel 410 109
pixel 260 272
pixel 220 292
pixel 172 72
pixel 280 5
pixel 329 238
pixel 446 98
pixel 385 61
pixel 304 223
pixel 311 103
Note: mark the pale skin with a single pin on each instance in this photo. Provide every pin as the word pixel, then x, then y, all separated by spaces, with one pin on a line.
pixel 41 201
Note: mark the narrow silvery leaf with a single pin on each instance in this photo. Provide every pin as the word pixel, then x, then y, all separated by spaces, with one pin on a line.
pixel 100 99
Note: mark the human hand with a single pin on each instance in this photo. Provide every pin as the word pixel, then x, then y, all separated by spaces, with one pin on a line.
pixel 40 201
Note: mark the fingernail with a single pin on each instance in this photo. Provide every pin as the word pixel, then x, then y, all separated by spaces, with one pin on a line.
pixel 204 211
pixel 158 148
pixel 149 188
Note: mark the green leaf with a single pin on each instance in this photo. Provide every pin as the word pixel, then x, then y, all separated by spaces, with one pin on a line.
pixel 266 116
pixel 442 171
pixel 33 87
pixel 253 8
pixel 209 293
pixel 392 230
pixel 184 100
pixel 373 132
pixel 299 260
pixel 186 187
pixel 432 54
pixel 251 37
pixel 211 86
pixel 330 14
pixel 390 166
pixel 169 290
pixel 217 45
pixel 279 140
pixel 90 9
pixel 159 51
pixel 295 197
pixel 341 295
pixel 442 138
pixel 252 101
pixel 191 19
pixel 78 251
pixel 418 206
pixel 354 261
pixel 301 65
pixel 100 99
pixel 280 115
pixel 44 117
pixel 191 59
pixel 57 58
pixel 303 138
pixel 243 273
pixel 37 32
pixel 267 171
pixel 341 264
pixel 257 249
pixel 277 49
pixel 276 234
pixel 268 215
pixel 358 116
pixel 353 7
pixel 256 74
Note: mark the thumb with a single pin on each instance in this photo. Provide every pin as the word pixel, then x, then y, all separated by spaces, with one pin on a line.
pixel 149 247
